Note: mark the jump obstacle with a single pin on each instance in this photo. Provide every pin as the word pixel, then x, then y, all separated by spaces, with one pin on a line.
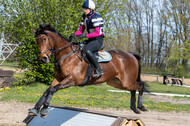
pixel 6 78
pixel 69 116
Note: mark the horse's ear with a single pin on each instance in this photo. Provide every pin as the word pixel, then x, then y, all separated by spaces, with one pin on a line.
pixel 41 27
pixel 48 26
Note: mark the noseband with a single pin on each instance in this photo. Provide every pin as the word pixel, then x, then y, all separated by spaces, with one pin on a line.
pixel 50 48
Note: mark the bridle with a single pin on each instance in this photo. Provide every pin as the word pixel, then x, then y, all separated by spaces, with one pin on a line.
pixel 50 48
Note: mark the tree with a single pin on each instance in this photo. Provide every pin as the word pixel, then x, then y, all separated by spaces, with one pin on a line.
pixel 21 17
pixel 178 13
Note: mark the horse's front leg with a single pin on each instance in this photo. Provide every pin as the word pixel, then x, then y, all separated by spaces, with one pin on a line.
pixel 64 84
pixel 34 111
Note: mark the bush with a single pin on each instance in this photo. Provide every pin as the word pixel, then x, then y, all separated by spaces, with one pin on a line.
pixel 20 18
pixel 26 16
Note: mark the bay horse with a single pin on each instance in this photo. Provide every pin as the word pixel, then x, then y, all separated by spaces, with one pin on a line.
pixel 122 72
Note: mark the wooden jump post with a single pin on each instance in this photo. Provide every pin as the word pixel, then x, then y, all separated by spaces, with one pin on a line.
pixel 6 77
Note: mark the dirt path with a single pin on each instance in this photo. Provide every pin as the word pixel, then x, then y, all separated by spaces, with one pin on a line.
pixel 12 112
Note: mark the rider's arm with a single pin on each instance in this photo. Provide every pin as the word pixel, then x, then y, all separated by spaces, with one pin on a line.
pixel 80 31
pixel 82 26
pixel 96 33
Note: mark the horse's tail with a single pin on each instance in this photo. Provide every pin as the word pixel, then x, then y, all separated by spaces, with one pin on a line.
pixel 144 84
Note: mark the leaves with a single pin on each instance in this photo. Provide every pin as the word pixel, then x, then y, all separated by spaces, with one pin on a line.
pixel 138 26
pixel 21 17
pixel 177 55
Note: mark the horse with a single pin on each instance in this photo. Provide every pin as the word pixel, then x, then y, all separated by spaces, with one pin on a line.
pixel 122 72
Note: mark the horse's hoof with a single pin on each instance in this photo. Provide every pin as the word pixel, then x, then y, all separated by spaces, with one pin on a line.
pixel 135 110
pixel 142 108
pixel 32 112
pixel 44 112
pixel 44 116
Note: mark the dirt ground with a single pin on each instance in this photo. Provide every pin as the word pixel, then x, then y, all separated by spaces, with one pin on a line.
pixel 16 112
pixel 16 70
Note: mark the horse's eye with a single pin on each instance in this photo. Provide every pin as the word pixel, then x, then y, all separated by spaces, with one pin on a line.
pixel 44 40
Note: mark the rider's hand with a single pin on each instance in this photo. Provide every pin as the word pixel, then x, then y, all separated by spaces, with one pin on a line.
pixel 71 37
pixel 82 35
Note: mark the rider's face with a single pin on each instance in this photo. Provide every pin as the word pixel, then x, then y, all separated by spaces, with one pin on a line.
pixel 86 11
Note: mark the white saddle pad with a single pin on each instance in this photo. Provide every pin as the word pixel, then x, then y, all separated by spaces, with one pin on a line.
pixel 104 56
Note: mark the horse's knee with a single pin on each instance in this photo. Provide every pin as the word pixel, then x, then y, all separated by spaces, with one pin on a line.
pixel 139 86
pixel 46 93
pixel 53 90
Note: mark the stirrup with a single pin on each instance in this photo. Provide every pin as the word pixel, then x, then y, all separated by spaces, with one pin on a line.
pixel 97 73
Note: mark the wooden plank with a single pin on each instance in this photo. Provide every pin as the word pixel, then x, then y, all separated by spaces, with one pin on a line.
pixel 7 85
pixel 1 81
pixel 7 80
pixel 140 122
pixel 28 119
pixel 131 123
pixel 6 73
pixel 119 121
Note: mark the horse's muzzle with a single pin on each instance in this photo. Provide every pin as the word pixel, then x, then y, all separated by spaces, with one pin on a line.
pixel 45 59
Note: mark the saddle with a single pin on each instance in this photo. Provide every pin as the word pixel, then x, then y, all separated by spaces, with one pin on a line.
pixel 101 55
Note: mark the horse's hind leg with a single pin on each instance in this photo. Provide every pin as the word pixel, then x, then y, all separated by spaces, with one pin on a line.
pixel 140 100
pixel 133 102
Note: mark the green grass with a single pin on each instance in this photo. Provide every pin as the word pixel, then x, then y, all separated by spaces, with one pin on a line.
pixel 161 88
pixel 95 96
pixel 10 63
pixel 149 70
pixel 18 75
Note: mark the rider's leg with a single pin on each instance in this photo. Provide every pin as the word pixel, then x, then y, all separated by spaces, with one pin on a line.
pixel 93 46
pixel 98 71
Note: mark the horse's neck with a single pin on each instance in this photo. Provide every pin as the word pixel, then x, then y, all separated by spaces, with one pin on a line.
pixel 58 42
pixel 61 46
pixel 61 43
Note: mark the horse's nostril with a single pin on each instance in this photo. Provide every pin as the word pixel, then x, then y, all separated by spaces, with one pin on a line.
pixel 44 59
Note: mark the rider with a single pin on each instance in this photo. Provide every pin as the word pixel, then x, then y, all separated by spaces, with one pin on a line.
pixel 93 23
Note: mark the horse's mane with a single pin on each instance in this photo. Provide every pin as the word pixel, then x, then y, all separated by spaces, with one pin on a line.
pixel 41 30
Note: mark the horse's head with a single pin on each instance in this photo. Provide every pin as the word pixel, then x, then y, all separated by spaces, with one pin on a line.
pixel 44 43
pixel 50 41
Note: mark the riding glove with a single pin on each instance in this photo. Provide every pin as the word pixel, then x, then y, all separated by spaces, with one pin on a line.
pixel 71 37
pixel 82 35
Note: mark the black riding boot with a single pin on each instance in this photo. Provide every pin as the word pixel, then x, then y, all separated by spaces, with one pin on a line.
pixel 98 71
